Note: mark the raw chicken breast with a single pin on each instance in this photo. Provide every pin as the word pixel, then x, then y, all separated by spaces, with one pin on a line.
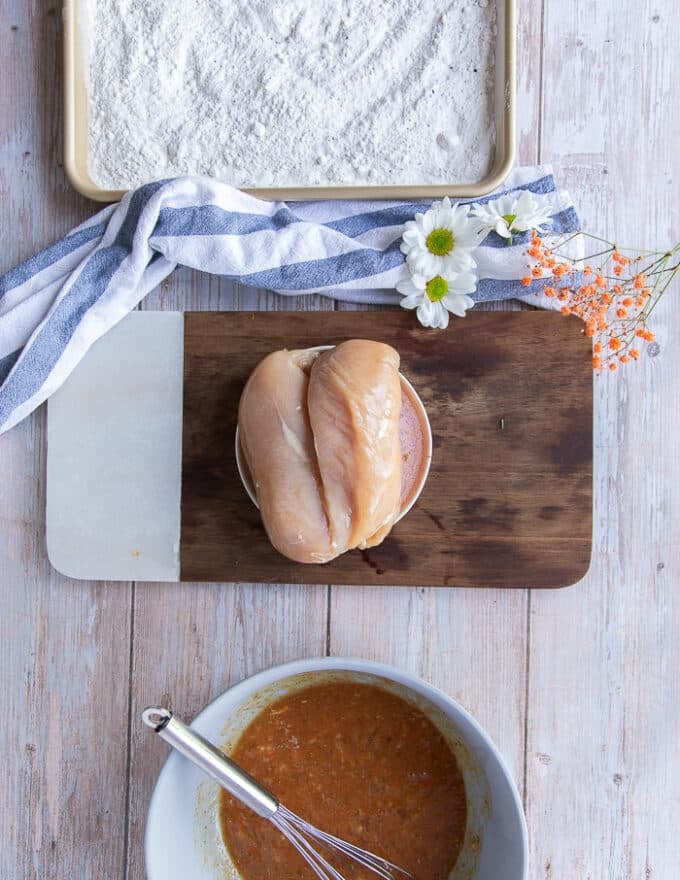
pixel 277 442
pixel 321 439
pixel 354 405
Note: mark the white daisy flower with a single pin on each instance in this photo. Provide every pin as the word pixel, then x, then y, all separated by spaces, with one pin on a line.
pixel 441 241
pixel 511 214
pixel 433 298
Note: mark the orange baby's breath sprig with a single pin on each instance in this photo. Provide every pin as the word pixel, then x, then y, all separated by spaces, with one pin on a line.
pixel 614 297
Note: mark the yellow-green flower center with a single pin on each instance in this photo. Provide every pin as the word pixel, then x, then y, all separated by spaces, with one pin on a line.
pixel 440 242
pixel 509 219
pixel 437 288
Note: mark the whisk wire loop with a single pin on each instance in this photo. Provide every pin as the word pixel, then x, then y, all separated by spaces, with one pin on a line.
pixel 349 851
pixel 321 866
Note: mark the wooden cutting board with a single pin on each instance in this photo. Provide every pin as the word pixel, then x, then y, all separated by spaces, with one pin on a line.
pixel 509 499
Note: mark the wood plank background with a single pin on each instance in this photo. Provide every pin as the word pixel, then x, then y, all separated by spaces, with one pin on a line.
pixel 580 688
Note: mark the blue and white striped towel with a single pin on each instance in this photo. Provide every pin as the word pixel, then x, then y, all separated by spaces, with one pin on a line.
pixel 56 304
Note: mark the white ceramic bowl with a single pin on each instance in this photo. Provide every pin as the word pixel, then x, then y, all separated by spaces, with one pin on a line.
pixel 415 490
pixel 183 840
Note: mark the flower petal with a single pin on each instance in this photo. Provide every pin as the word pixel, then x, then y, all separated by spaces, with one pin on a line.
pixel 407 288
pixel 456 262
pixel 464 283
pixel 424 263
pixel 419 282
pixel 457 304
pixel 413 237
pixel 412 301
pixel 481 212
pixel 468 235
pixel 442 316
pixel 510 204
pixel 426 313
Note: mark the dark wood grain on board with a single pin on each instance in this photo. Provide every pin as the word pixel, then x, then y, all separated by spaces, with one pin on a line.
pixel 508 502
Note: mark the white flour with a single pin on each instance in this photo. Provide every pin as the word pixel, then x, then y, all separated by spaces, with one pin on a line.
pixel 285 92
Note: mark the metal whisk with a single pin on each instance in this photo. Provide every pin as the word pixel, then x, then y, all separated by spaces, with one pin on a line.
pixel 304 837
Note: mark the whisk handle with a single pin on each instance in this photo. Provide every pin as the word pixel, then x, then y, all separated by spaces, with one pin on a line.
pixel 211 761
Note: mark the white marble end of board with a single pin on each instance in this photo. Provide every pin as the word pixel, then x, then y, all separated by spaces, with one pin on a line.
pixel 114 455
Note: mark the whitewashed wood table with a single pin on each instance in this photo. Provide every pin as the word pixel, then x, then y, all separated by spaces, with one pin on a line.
pixel 580 688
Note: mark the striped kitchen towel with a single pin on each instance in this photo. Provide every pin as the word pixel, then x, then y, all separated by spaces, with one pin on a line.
pixel 57 303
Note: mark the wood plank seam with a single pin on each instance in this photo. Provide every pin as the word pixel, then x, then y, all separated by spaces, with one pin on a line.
pixel 128 741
